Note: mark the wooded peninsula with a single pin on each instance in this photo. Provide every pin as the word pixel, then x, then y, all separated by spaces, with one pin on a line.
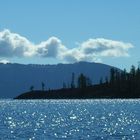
pixel 120 84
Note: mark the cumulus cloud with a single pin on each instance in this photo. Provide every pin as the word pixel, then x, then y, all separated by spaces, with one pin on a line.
pixel 95 49
pixel 15 45
pixel 105 47
pixel 53 47
pixel 12 44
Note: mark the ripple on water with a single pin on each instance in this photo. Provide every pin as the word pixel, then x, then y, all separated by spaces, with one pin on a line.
pixel 70 119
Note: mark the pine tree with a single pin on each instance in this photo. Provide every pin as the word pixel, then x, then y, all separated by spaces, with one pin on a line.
pixel 88 81
pixel 101 81
pixel 73 81
pixel 43 86
pixel 82 81
pixel 112 75
pixel 31 88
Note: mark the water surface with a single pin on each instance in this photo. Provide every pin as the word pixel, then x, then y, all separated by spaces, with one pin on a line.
pixel 70 119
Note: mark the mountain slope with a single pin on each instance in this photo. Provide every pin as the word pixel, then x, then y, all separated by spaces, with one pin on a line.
pixel 17 78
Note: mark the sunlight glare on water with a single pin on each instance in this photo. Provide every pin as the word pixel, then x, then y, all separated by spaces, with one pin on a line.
pixel 70 119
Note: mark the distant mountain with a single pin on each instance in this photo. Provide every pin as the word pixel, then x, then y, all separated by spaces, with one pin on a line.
pixel 18 78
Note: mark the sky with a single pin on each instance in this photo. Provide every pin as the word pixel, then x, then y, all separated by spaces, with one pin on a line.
pixel 62 31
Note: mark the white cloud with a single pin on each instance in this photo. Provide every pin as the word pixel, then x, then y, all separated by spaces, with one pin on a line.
pixel 53 47
pixel 95 49
pixel 101 47
pixel 15 45
pixel 12 44
pixel 4 61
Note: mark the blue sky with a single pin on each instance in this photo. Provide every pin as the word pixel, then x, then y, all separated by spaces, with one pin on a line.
pixel 71 26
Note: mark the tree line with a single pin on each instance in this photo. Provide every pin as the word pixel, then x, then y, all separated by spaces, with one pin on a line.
pixel 82 81
pixel 120 83
pixel 123 83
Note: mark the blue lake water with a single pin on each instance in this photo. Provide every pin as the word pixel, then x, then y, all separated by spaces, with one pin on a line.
pixel 70 119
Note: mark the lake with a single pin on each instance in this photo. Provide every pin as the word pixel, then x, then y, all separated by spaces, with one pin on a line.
pixel 70 119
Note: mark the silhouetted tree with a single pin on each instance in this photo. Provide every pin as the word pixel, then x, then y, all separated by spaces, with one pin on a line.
pixel 64 85
pixel 73 81
pixel 101 81
pixel 133 71
pixel 132 82
pixel 123 81
pixel 43 85
pixel 31 88
pixel 125 84
pixel 112 75
pixel 83 81
pixel 106 80
pixel 88 81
